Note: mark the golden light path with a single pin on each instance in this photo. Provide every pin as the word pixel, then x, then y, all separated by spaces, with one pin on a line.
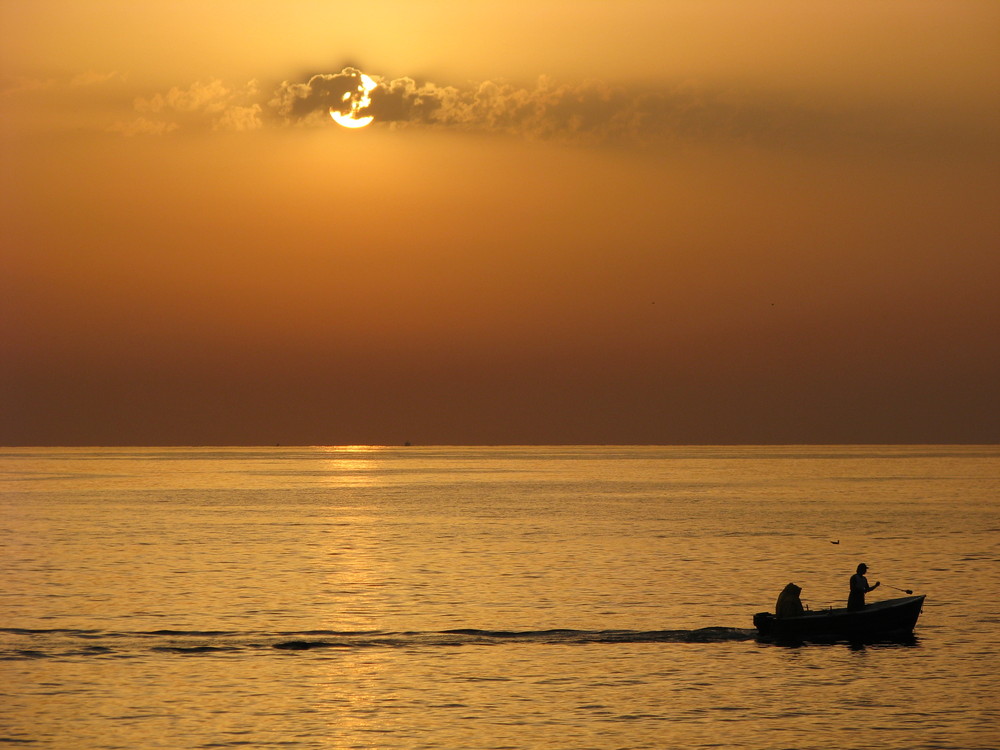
pixel 358 101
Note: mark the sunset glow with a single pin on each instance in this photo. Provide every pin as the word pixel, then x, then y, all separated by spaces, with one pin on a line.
pixel 688 222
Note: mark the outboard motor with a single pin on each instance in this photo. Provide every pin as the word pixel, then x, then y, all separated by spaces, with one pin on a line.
pixel 763 621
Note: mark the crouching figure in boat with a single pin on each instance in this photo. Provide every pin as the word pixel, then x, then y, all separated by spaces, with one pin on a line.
pixel 789 604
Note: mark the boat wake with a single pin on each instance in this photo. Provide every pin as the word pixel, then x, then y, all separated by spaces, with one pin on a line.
pixel 473 637
pixel 23 643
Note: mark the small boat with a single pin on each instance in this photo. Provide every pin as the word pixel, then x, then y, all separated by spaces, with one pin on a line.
pixel 892 618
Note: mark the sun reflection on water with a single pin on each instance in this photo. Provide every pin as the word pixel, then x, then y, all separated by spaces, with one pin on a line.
pixel 353 465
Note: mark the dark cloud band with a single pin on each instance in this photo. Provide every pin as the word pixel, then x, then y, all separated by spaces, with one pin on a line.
pixel 591 110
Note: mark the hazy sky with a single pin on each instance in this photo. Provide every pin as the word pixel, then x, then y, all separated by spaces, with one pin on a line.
pixel 571 221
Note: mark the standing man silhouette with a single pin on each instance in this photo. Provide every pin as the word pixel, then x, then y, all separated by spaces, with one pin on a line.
pixel 860 587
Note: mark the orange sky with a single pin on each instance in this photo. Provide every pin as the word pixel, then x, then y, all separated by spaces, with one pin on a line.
pixel 583 222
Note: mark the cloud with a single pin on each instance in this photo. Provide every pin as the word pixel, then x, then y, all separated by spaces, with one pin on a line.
pixel 584 112
pixel 211 104
pixel 591 111
pixel 299 101
pixel 587 112
pixel 239 118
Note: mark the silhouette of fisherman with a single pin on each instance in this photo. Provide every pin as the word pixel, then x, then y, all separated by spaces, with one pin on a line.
pixel 788 604
pixel 860 587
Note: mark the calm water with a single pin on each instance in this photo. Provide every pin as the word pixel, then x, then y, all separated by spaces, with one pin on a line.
pixel 490 598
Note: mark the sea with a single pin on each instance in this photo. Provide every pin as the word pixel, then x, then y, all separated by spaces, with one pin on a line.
pixel 491 597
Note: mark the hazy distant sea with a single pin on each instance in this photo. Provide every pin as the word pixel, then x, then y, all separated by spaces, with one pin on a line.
pixel 490 597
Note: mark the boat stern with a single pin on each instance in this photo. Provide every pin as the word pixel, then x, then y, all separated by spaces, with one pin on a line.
pixel 764 622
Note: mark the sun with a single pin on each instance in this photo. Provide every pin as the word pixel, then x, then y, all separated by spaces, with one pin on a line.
pixel 354 102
